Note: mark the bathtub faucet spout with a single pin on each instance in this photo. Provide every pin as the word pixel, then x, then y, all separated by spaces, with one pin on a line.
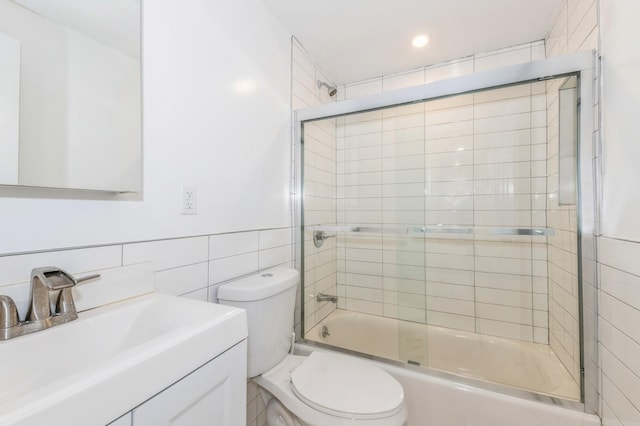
pixel 321 297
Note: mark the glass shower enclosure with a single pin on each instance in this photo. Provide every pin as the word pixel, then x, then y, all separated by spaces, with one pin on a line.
pixel 440 227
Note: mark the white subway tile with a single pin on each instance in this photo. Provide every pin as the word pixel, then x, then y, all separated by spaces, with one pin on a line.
pixel 541 319
pixel 404 285
pixel 275 238
pixel 362 89
pixel 449 189
pixel 363 306
pixel 449 130
pixel 406 313
pixel 408 79
pixel 503 139
pixel 450 291
pixel 514 299
pixel 502 170
pixel 626 349
pixel 449 115
pixel 225 245
pixel 403 163
pixel 503 281
pixel 451 306
pixel 182 280
pixel 627 382
pixel 17 269
pixel 167 254
pixel 403 121
pixel 502 155
pixel 541 335
pixel 619 254
pixel 403 135
pixel 504 329
pixel 449 69
pixel 364 293
pixel 232 267
pixel 504 313
pixel 200 294
pixel 506 57
pixel 402 149
pixel 460 218
pixel 274 257
pixel 503 123
pixel 457 322
pixel 502 107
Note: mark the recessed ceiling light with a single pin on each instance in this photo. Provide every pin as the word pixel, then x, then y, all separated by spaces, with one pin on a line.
pixel 420 41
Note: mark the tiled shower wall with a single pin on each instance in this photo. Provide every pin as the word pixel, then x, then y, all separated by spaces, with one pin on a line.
pixel 470 160
pixel 319 264
pixel 575 29
pixel 474 160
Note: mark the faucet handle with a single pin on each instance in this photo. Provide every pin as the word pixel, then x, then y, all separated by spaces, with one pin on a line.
pixel 8 313
pixel 65 304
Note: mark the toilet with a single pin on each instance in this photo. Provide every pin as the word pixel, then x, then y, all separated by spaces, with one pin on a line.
pixel 322 389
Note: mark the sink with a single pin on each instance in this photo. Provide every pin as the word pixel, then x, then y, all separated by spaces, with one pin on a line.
pixel 111 359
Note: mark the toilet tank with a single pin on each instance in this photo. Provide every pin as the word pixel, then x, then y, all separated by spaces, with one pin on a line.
pixel 269 299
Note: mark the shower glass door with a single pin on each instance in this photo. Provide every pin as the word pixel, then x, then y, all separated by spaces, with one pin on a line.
pixel 440 228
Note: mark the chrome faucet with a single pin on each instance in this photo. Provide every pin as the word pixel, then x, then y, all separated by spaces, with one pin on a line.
pixel 51 303
pixel 321 297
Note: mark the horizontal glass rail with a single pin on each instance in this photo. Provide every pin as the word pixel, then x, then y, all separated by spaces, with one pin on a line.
pixel 474 230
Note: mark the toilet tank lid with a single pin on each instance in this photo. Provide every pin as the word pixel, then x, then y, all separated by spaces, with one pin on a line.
pixel 259 286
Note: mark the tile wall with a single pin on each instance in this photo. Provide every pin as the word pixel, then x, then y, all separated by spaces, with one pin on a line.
pixel 319 185
pixel 618 272
pixel 192 267
pixel 611 264
pixel 474 160
pixel 575 29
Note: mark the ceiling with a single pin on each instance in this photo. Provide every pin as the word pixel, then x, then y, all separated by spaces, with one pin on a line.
pixel 353 40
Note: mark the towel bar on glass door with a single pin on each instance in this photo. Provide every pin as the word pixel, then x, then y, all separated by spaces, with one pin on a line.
pixel 319 230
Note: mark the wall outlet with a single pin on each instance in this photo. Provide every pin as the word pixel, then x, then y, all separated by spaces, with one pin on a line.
pixel 189 200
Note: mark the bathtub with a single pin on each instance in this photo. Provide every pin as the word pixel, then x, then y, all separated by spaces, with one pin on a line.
pixel 434 400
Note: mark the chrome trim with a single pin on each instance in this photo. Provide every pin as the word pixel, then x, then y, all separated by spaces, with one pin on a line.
pixel 304 347
pixel 473 230
pixel 582 64
pixel 530 71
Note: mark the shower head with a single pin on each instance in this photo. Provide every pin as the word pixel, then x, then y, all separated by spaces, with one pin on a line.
pixel 331 89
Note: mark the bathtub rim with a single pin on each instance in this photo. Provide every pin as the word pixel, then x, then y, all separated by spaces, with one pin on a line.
pixel 305 347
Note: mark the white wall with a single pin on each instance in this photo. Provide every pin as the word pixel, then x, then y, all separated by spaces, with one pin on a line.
pixel 199 130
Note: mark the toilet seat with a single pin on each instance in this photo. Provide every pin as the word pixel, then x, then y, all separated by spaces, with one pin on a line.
pixel 345 387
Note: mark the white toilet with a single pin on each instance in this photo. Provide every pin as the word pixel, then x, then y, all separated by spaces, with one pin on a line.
pixel 322 389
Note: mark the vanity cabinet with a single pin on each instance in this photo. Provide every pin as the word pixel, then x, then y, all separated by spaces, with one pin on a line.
pixel 212 395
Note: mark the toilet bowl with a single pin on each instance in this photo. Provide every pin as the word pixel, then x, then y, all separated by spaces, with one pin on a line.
pixel 322 389
pixel 331 389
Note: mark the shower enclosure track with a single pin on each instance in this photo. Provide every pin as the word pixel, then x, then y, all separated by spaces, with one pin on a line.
pixel 474 230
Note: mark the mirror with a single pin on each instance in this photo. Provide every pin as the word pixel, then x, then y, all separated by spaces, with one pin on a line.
pixel 70 95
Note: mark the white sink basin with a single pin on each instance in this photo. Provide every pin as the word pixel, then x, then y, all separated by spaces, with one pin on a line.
pixel 111 359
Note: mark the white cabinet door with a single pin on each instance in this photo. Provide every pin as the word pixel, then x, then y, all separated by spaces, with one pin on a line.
pixel 213 395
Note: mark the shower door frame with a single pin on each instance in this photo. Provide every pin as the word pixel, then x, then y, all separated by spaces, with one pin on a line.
pixel 583 66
